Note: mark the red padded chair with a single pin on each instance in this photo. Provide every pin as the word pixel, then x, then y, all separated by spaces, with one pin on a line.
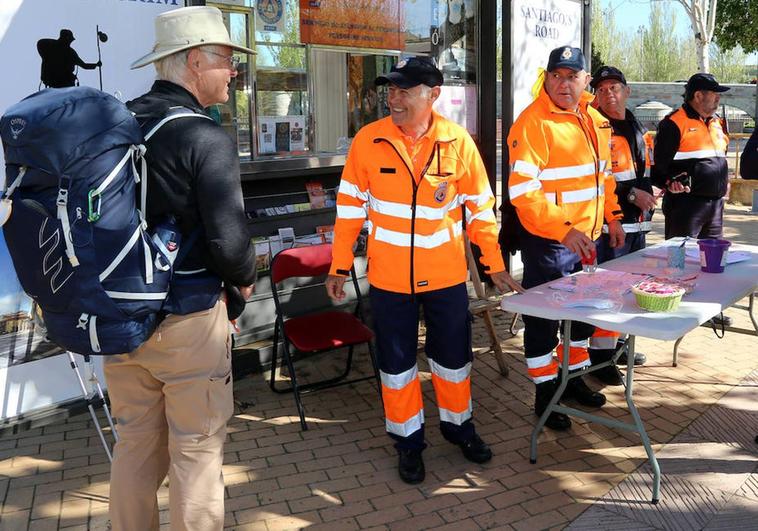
pixel 315 332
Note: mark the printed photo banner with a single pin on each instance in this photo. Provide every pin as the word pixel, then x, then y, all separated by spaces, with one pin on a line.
pixel 353 23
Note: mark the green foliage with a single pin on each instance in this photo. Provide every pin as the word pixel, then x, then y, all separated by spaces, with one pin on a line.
pixel 729 65
pixel 737 25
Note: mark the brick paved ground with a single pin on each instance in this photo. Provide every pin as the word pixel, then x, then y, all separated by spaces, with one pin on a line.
pixel 341 473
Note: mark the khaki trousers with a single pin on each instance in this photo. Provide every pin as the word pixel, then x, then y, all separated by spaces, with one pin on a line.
pixel 171 399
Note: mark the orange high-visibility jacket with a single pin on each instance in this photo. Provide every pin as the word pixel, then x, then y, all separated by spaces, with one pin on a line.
pixel 560 169
pixel 415 241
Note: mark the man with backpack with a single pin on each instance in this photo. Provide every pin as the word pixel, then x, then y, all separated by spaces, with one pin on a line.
pixel 172 396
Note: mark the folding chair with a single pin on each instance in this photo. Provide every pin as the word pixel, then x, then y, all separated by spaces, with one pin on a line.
pixel 315 332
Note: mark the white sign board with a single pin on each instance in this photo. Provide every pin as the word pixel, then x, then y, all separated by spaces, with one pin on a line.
pixel 537 27
pixel 34 374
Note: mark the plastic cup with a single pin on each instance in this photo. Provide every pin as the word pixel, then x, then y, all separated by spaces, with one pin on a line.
pixel 589 263
pixel 676 257
pixel 713 255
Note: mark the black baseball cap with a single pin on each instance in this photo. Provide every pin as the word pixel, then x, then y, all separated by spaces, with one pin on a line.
pixel 607 72
pixel 566 57
pixel 702 81
pixel 413 71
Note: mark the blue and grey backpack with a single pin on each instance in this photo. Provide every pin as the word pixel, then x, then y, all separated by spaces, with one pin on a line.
pixel 78 241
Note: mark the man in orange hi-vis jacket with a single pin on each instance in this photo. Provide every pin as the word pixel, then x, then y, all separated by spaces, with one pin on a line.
pixel 561 186
pixel 414 174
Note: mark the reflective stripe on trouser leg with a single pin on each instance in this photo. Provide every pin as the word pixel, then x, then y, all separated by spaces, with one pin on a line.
pixel 542 368
pixel 578 355
pixel 604 339
pixel 403 406
pixel 448 349
pixel 395 321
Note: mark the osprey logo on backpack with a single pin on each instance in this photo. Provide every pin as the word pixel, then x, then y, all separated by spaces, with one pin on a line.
pixel 89 263
pixel 17 127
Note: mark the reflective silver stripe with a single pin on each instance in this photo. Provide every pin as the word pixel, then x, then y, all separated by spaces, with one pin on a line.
pixel 450 375
pixel 404 429
pixel 478 199
pixel 404 211
pixel 456 418
pixel 120 256
pixel 567 172
pixel 351 212
pixel 629 228
pixel 403 239
pixel 577 196
pixel 603 342
pixel 484 215
pixel 550 196
pixel 348 188
pixel 539 361
pixel 136 296
pixel 527 168
pixel 584 343
pixel 540 379
pixel 700 154
pixel 574 366
pixel 626 175
pixel 647 171
pixel 522 188
pixel 602 165
pixel 398 381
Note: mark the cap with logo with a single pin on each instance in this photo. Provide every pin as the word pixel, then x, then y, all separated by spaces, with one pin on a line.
pixel 566 57
pixel 702 81
pixel 411 72
pixel 607 72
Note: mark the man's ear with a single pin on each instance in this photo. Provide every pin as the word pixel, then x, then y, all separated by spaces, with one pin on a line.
pixel 434 93
pixel 193 59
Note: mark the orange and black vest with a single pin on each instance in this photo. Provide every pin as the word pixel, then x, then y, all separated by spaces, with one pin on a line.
pixel 415 200
pixel 688 143
pixel 560 174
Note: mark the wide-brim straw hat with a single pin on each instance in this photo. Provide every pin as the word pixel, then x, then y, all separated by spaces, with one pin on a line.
pixel 188 27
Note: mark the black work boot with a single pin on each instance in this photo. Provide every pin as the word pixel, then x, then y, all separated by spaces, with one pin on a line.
pixel 476 450
pixel 578 390
pixel 639 357
pixel 543 395
pixel 411 466
pixel 607 375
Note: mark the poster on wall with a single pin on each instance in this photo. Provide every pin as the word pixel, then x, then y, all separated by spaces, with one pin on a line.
pixel 59 43
pixel 537 27
pixel 281 134
pixel 269 16
pixel 353 23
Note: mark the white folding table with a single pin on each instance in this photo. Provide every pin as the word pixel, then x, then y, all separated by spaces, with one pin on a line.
pixel 713 293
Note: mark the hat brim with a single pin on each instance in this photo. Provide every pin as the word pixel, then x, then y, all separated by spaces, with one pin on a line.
pixel 160 54
pixel 396 78
pixel 597 80
pixel 722 88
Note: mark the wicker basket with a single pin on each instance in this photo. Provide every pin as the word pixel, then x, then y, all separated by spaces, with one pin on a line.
pixel 657 303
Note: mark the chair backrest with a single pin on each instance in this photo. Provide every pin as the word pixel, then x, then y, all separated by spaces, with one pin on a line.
pixel 309 261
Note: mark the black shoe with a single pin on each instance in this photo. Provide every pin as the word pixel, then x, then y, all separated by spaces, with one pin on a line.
pixel 411 466
pixel 542 397
pixel 578 390
pixel 639 359
pixel 476 450
pixel 608 375
pixel 722 319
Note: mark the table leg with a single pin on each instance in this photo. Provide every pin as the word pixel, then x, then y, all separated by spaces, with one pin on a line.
pixel 676 351
pixel 638 421
pixel 558 393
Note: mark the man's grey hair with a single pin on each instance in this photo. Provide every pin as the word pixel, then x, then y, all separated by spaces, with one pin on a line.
pixel 174 67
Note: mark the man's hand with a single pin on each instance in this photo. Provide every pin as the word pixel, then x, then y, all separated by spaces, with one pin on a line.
pixel 616 234
pixel 247 291
pixel 335 285
pixel 503 280
pixel 578 243
pixel 643 200
pixel 676 187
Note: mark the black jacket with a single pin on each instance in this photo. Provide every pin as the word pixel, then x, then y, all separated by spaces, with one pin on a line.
pixel 632 130
pixel 749 158
pixel 194 175
pixel 709 175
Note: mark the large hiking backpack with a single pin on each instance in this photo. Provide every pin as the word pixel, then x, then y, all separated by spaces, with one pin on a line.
pixel 76 237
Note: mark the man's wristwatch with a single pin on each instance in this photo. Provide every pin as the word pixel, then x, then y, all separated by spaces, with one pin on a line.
pixel 631 197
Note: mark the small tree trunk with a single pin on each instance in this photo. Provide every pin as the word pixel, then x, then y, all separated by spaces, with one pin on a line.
pixel 703 60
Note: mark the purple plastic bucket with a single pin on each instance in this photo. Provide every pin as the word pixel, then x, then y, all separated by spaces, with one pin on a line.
pixel 713 255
